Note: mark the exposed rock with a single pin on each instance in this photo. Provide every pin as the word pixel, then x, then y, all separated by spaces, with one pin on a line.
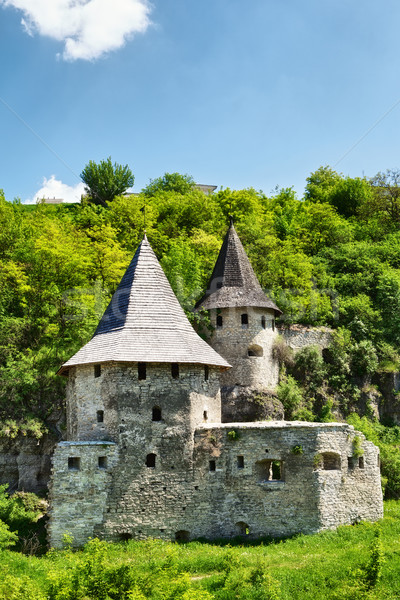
pixel 245 404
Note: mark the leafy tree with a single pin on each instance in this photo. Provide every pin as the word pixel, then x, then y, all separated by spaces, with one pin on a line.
pixel 386 195
pixel 321 183
pixel 170 182
pixel 105 180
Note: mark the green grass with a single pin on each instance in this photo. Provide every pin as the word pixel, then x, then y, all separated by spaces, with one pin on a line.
pixel 327 565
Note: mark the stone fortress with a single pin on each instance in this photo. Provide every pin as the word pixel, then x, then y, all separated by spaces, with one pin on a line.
pixel 157 446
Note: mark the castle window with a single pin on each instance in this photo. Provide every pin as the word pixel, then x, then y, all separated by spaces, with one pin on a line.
pixel 124 537
pixel 151 461
pixel 206 372
pixel 205 415
pixel 219 321
pixel 211 466
pixel 142 371
pixel 273 324
pixel 361 462
pixel 269 470
pixel 97 370
pixel 156 416
pixel 242 528
pixel 330 461
pixel 263 325
pixel 102 462
pixel 100 416
pixel 245 320
pixel 255 350
pixel 175 370
pixel 74 463
pixel 350 462
pixel 182 536
pixel 240 462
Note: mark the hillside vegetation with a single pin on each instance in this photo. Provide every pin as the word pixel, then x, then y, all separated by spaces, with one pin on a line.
pixel 331 258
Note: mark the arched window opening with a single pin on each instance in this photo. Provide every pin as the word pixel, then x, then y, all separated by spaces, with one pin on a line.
pixel 97 370
pixel 245 320
pixel 142 371
pixel 206 372
pixel 151 461
pixel 100 416
pixel 242 528
pixel 182 536
pixel 156 416
pixel 175 370
pixel 124 537
pixel 263 322
pixel 330 461
pixel 219 321
pixel 269 470
pixel 255 350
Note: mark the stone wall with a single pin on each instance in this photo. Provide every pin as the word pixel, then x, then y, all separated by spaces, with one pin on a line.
pixel 299 336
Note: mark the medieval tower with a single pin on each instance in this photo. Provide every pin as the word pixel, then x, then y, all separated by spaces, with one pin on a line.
pixel 147 453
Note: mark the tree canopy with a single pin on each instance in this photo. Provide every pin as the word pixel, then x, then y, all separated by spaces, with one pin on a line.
pixel 106 180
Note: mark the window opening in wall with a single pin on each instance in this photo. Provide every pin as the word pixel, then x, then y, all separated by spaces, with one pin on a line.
pixel 175 370
pixel 361 462
pixel 156 415
pixel 124 537
pixel 219 321
pixel 330 461
pixel 205 415
pixel 263 324
pixel 102 462
pixel 350 462
pixel 255 350
pixel 269 470
pixel 97 370
pixel 142 371
pixel 240 462
pixel 273 324
pixel 242 528
pixel 74 463
pixel 206 372
pixel 212 465
pixel 151 460
pixel 245 320
pixel 100 416
pixel 182 536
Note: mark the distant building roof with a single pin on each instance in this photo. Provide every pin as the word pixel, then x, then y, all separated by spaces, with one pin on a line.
pixel 50 200
pixel 206 189
pixel 144 322
pixel 233 282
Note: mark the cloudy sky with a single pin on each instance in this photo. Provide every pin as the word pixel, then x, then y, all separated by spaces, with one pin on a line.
pixel 234 93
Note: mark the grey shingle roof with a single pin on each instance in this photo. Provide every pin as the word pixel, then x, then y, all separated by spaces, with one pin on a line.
pixel 233 281
pixel 144 322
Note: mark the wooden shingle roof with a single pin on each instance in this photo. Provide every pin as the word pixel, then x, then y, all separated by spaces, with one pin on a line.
pixel 233 282
pixel 144 322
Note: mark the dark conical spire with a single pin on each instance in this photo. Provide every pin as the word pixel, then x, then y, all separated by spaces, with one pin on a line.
pixel 144 322
pixel 233 281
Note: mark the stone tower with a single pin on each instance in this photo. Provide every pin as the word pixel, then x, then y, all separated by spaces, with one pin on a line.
pixel 243 318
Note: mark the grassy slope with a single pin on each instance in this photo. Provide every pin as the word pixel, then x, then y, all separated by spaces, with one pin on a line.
pixel 318 566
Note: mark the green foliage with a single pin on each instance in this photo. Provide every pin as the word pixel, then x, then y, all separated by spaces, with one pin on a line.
pixel 18 517
pixel 357 448
pixel 291 396
pixel 298 449
pixel 170 182
pixel 106 180
pixel 233 435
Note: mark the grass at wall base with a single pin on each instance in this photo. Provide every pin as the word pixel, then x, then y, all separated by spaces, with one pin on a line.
pixel 353 562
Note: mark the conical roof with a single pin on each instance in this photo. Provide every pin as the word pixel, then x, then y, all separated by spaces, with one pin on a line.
pixel 144 322
pixel 233 282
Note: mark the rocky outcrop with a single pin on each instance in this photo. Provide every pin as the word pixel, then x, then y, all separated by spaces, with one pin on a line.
pixel 246 404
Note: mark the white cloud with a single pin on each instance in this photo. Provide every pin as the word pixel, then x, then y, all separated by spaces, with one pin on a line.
pixel 54 188
pixel 88 28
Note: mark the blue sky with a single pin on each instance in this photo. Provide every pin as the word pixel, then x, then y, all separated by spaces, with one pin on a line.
pixel 236 94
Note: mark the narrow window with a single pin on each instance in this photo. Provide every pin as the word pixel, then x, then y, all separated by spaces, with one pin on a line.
pixel 141 371
pixel 100 416
pixel 74 463
pixel 205 415
pixel 263 322
pixel 212 465
pixel 206 372
pixel 97 370
pixel 102 462
pixel 245 320
pixel 240 462
pixel 242 528
pixel 219 321
pixel 350 462
pixel 156 416
pixel 361 462
pixel 175 370
pixel 273 324
pixel 151 461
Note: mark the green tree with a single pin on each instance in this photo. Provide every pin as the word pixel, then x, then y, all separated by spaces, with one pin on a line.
pixel 106 180
pixel 169 182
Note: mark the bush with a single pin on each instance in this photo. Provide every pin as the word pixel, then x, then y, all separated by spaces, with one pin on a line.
pixel 290 394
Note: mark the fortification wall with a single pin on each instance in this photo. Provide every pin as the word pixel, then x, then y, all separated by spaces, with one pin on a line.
pixel 300 336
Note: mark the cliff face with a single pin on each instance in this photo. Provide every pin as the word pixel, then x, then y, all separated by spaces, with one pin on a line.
pixel 25 462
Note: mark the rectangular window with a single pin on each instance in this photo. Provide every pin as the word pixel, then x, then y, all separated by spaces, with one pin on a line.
pixel 206 372
pixel 97 370
pixel 245 320
pixel 74 463
pixel 175 370
pixel 102 462
pixel 361 462
pixel 212 465
pixel 219 321
pixel 142 371
pixel 100 416
pixel 240 462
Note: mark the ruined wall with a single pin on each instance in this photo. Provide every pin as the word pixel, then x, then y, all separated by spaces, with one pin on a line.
pixel 247 347
pixel 300 336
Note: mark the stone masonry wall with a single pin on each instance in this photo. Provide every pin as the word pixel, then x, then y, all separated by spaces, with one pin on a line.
pixel 299 336
pixel 248 348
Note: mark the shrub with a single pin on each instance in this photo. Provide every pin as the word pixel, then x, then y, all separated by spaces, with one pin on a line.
pixel 290 394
